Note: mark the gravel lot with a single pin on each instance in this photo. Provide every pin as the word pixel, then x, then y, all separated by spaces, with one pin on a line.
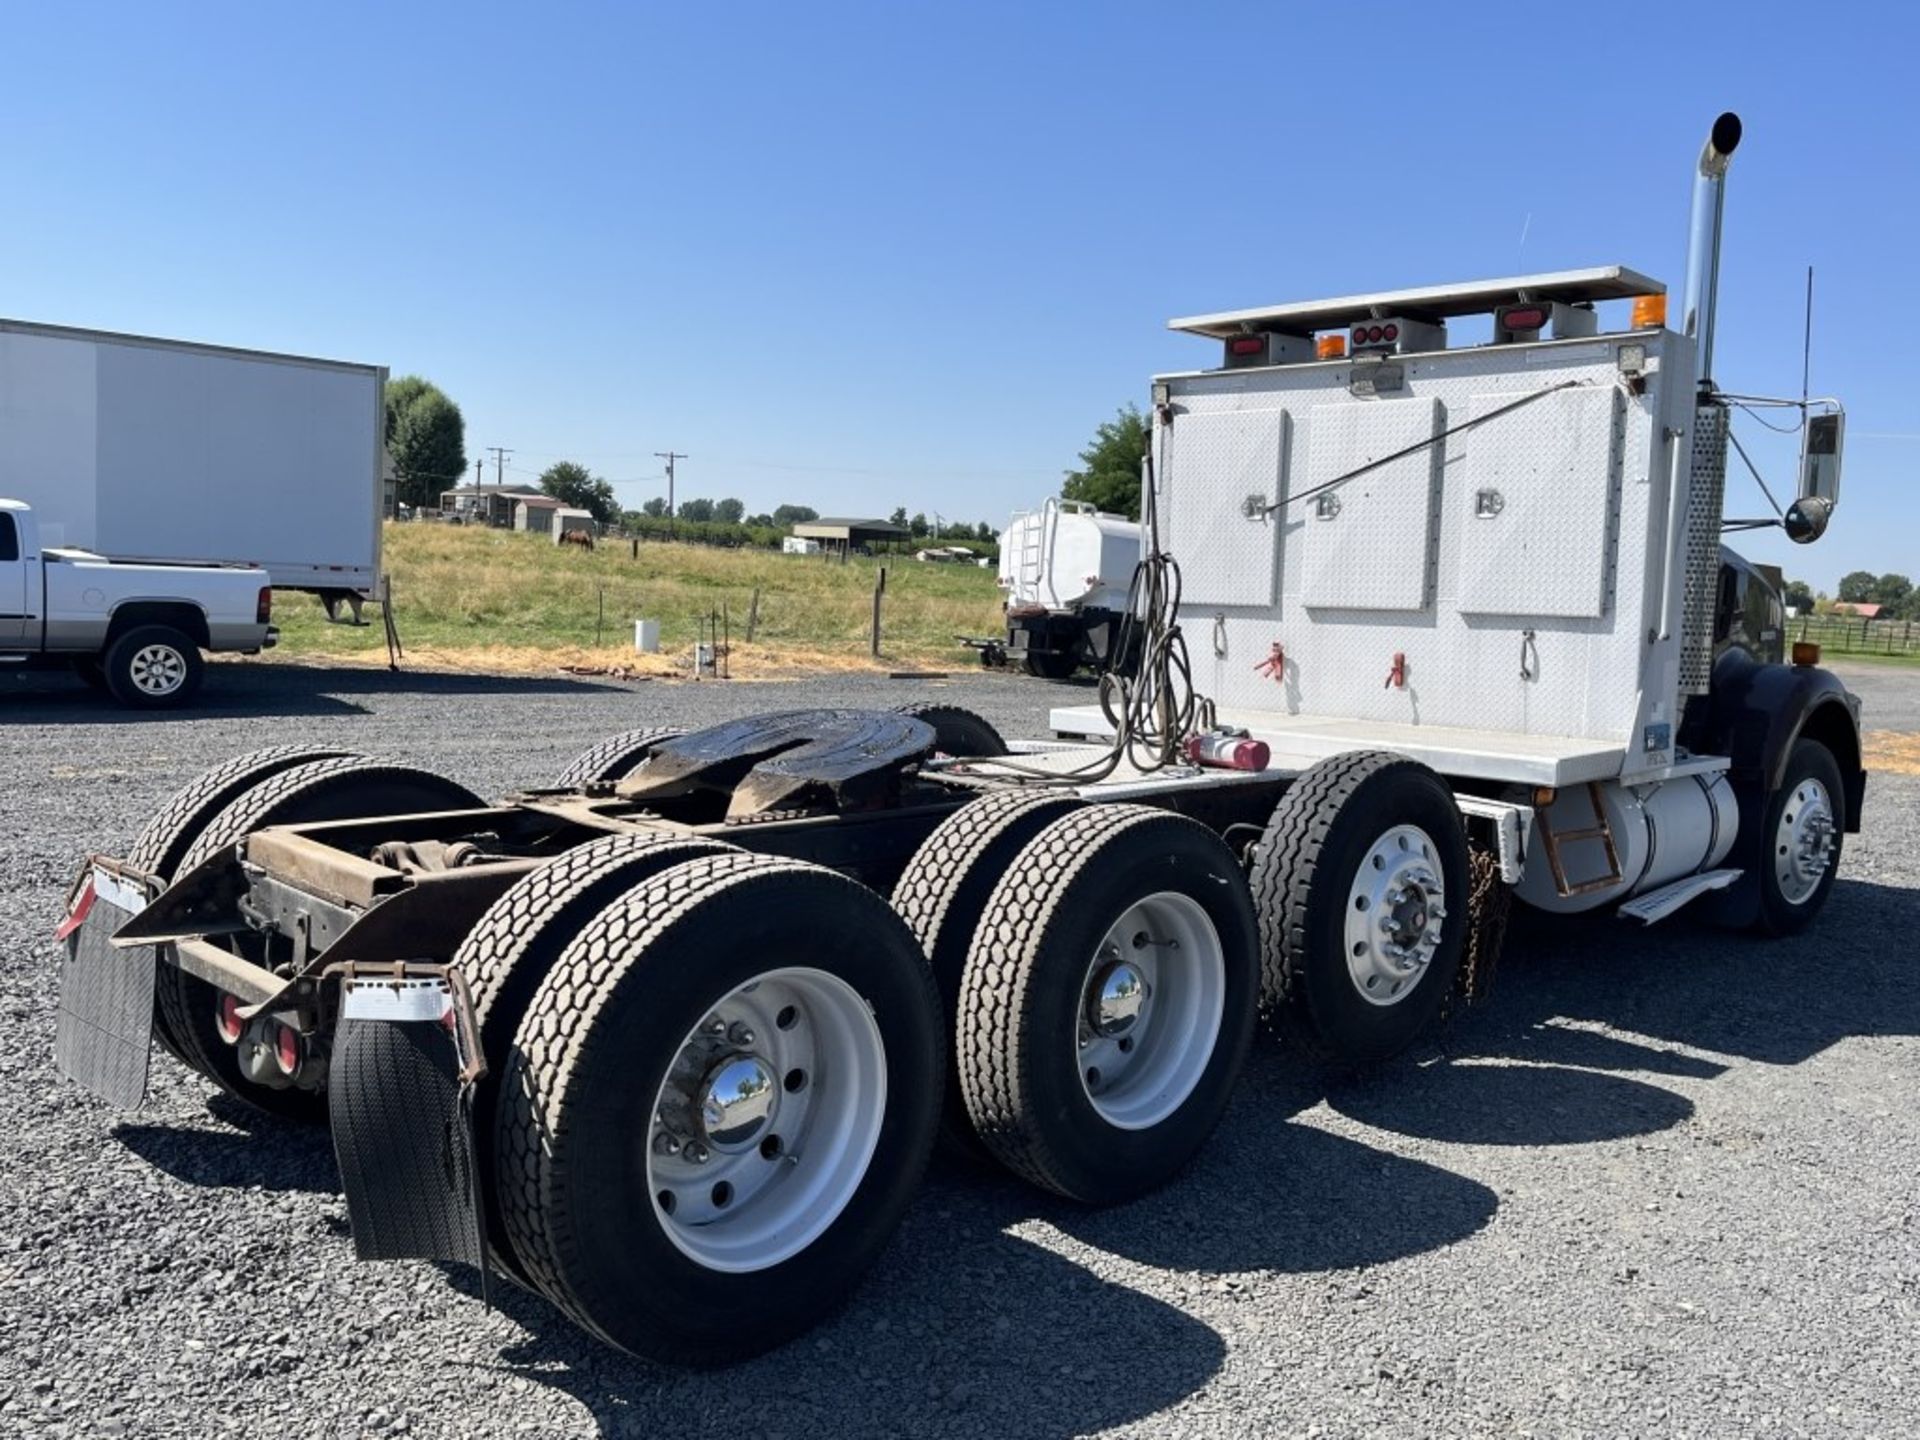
pixel 1660 1183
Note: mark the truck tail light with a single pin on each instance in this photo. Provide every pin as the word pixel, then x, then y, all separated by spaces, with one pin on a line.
pixel 1331 347
pixel 263 610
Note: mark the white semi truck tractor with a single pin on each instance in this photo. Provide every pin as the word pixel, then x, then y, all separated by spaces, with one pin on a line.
pixel 1421 627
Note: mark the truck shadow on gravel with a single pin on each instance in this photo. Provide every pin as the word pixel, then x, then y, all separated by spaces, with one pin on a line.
pixel 960 1326
pixel 256 1152
pixel 252 691
pixel 1576 1002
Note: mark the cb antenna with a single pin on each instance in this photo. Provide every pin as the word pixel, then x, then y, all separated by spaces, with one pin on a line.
pixel 1806 351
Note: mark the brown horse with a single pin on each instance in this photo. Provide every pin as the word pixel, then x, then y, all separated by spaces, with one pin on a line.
pixel 582 538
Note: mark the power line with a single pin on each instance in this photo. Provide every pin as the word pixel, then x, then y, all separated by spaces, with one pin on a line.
pixel 500 453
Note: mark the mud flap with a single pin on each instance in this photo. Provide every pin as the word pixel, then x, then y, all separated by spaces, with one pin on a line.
pixel 104 1034
pixel 400 1098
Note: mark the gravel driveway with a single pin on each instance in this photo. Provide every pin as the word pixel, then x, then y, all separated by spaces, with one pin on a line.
pixel 1662 1183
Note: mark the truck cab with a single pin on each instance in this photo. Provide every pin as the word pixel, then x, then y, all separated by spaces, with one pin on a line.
pixel 134 630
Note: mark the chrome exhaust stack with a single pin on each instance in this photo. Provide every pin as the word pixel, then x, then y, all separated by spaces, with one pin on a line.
pixel 1703 247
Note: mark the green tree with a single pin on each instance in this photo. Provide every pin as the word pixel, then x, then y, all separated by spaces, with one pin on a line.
pixel 697 511
pixel 1109 474
pixel 985 531
pixel 427 439
pixel 762 522
pixel 579 487
pixel 918 525
pixel 1893 591
pixel 794 514
pixel 1856 586
pixel 656 508
pixel 729 511
pixel 899 517
pixel 1798 595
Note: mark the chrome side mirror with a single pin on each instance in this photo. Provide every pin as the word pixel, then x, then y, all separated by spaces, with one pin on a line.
pixel 1806 519
pixel 1820 457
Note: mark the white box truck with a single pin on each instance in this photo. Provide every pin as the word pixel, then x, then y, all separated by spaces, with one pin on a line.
pixel 162 450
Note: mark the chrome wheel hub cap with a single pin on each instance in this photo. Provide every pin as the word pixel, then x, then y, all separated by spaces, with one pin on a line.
pixel 1116 999
pixel 157 669
pixel 766 1120
pixel 1150 1010
pixel 737 1101
pixel 1803 841
pixel 1394 916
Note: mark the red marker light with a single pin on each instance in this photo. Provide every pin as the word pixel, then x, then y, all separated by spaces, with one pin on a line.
pixel 1373 335
pixel 1359 334
pixel 1246 345
pixel 1530 317
pixel 1390 332
pixel 286 1049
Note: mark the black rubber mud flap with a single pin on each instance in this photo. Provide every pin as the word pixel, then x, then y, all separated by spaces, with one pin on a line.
pixel 400 1098
pixel 105 1030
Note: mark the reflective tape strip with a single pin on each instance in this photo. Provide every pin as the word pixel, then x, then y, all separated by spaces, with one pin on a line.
pixel 115 891
pixel 401 1000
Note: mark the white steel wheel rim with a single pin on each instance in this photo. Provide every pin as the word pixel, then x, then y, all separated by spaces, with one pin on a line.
pixel 157 669
pixel 1394 915
pixel 1151 1005
pixel 790 1158
pixel 1803 841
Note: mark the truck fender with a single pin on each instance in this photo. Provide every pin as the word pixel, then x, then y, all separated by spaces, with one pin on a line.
pixel 1756 711
pixel 182 615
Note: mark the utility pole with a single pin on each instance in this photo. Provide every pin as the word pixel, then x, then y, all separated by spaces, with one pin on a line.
pixel 500 453
pixel 669 456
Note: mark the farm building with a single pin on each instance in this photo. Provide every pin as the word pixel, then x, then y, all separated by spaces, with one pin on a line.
pixel 844 535
pixel 563 520
pixel 1858 609
pixel 535 513
pixel 486 504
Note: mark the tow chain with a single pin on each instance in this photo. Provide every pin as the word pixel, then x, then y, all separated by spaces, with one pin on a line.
pixel 1489 902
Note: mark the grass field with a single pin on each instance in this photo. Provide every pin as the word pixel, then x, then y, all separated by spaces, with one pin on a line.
pixel 500 600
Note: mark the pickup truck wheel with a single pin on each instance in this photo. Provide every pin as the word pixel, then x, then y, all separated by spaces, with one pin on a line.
pixel 718 1107
pixel 615 757
pixel 1361 885
pixel 153 666
pixel 248 1062
pixel 942 894
pixel 1108 1002
pixel 165 839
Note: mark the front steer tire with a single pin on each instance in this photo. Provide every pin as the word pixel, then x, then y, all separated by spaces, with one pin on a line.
pixel 586 1085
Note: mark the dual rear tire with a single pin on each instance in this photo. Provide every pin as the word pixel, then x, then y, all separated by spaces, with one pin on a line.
pixel 715 1109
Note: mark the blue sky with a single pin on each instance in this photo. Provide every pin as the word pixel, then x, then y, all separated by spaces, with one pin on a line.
pixel 857 256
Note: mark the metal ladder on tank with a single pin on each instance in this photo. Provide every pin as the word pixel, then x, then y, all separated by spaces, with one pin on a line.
pixel 1036 545
pixel 1601 830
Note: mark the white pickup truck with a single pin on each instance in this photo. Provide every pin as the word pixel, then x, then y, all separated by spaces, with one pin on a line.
pixel 134 630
